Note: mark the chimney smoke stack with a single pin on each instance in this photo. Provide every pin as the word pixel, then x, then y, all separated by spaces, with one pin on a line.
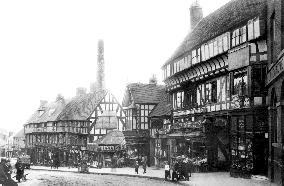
pixel 101 66
pixel 196 14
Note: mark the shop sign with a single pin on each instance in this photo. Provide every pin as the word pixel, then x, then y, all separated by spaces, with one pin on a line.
pixel 275 71
pixel 107 148
pixel 238 57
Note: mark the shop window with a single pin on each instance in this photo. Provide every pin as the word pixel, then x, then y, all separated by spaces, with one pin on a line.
pixel 240 84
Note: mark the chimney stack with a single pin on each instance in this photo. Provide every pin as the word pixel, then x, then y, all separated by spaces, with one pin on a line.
pixel 101 66
pixel 153 80
pixel 196 14
pixel 81 91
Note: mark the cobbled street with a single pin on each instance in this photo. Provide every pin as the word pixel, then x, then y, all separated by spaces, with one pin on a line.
pixel 50 178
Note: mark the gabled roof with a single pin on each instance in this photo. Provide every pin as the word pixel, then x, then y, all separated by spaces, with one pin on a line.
pixel 163 108
pixel 143 93
pixel 226 18
pixel 20 134
pixel 81 107
pixel 78 108
pixel 50 112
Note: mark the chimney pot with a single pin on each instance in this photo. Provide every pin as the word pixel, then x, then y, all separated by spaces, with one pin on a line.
pixel 196 14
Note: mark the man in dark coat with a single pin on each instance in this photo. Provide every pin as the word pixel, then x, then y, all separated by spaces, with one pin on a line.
pixel 20 170
pixel 3 171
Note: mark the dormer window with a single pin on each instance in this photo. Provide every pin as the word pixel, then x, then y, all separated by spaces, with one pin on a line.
pixel 40 112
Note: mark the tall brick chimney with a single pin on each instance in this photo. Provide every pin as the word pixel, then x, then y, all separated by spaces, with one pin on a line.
pixel 100 66
pixel 196 14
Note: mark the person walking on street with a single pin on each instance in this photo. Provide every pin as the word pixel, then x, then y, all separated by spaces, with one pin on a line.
pixel 144 164
pixel 136 166
pixel 20 170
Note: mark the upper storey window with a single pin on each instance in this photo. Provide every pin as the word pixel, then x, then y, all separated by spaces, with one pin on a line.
pixel 253 28
pixel 239 36
pixel 240 87
pixel 193 57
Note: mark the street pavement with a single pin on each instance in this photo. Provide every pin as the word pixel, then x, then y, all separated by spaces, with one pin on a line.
pixel 197 179
pixel 56 178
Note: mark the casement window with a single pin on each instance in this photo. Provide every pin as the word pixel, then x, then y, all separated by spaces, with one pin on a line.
pixel 240 84
pixel 250 30
pixel 193 57
pixel 236 37
pixel 180 96
pixel 178 99
pixel 215 47
pixel 202 48
pixel 198 57
pixel 211 49
pixel 253 29
pixel 168 70
pixel 225 42
pixel 243 34
pixel 190 98
pixel 258 80
pixel 256 28
pixel 211 92
pixel 220 45
pixel 206 49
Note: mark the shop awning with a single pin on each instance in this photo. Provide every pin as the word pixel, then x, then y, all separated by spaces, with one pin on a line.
pixel 112 138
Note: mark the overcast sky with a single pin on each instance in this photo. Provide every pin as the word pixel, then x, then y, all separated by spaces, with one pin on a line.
pixel 50 47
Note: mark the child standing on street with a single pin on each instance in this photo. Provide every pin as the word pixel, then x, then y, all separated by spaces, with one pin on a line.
pixel 136 167
pixel 167 170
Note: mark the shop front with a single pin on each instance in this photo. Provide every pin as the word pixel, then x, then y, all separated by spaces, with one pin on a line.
pixel 249 142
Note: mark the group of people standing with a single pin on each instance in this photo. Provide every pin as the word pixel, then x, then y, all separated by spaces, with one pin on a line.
pixel 143 163
pixel 181 169
pixel 6 171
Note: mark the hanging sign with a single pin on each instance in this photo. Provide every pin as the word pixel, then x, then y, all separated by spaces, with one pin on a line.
pixel 275 71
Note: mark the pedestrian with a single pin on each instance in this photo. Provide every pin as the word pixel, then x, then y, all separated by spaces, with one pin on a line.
pixel 144 164
pixel 51 163
pixel 167 170
pixel 136 166
pixel 20 170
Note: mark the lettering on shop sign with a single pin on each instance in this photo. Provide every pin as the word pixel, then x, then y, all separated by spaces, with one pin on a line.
pixel 107 148
pixel 275 71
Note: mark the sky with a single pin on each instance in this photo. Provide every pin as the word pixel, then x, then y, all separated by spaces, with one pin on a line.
pixel 50 47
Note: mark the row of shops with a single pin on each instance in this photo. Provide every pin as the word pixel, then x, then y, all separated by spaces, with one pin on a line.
pixel 235 142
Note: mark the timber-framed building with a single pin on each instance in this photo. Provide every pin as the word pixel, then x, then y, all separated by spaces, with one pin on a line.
pixel 216 81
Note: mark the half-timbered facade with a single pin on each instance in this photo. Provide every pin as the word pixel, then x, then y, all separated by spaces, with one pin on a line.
pixel 139 100
pixel 59 130
pixel 62 129
pixel 160 122
pixel 107 116
pixel 216 80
